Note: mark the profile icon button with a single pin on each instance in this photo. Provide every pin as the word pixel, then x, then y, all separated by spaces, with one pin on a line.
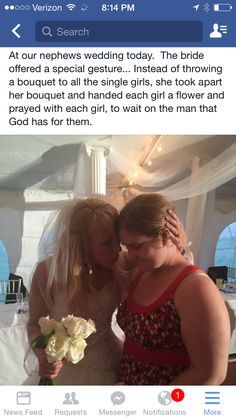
pixel 216 33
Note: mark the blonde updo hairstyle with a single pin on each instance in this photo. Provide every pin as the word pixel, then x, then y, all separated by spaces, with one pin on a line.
pixel 82 221
pixel 145 214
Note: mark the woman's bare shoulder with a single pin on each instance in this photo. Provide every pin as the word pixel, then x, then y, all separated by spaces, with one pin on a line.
pixel 40 273
pixel 41 268
pixel 197 285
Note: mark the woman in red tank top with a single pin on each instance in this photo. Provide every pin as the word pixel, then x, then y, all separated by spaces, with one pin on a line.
pixel 175 321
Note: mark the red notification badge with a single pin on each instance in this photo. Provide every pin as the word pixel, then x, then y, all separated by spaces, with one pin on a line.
pixel 177 395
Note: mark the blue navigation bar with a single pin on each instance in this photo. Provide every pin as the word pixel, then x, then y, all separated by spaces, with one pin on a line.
pixel 119 23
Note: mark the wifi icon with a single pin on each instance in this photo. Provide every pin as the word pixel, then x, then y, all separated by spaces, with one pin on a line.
pixel 70 6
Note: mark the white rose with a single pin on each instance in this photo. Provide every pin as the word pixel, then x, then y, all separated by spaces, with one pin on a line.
pixel 78 327
pixel 57 346
pixel 58 326
pixel 47 325
pixel 76 349
pixel 69 323
pixel 89 328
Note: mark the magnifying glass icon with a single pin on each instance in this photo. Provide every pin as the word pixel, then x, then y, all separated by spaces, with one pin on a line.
pixel 46 31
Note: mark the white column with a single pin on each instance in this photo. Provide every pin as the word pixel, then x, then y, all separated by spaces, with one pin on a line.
pixel 209 233
pixel 98 169
pixel 90 177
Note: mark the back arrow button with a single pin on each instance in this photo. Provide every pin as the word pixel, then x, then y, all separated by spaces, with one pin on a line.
pixel 14 30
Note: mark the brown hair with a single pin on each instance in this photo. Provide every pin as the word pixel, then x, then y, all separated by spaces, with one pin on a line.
pixel 145 214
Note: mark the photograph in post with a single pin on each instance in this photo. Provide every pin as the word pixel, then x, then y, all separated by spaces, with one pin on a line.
pixel 117 259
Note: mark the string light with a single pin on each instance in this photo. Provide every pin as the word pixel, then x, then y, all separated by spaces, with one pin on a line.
pixel 156 143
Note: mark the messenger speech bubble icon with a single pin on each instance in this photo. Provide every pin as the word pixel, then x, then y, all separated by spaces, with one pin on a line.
pixel 117 398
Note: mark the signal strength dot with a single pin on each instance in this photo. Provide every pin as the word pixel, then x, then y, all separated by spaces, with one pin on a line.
pixel 6 7
pixel 70 6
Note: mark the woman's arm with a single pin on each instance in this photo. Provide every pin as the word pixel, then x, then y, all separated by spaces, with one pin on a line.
pixel 205 329
pixel 38 306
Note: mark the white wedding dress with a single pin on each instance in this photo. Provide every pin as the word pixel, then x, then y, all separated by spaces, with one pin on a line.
pixel 100 365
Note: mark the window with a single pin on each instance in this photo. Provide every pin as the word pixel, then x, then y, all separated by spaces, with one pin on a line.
pixel 225 254
pixel 4 265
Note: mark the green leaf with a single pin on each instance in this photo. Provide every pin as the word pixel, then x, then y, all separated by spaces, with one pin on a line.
pixel 40 342
pixel 45 381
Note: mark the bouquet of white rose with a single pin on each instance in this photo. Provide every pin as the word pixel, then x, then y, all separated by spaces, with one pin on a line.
pixel 63 339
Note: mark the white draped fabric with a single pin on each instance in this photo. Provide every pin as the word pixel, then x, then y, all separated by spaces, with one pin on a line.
pixel 195 211
pixel 18 364
pixel 210 176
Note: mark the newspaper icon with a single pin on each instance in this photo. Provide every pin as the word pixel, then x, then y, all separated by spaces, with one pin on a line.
pixel 23 398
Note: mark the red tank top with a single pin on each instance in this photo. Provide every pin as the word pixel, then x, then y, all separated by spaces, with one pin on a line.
pixel 154 352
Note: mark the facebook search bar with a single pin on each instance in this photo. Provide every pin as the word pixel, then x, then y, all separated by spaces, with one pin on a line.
pixel 119 31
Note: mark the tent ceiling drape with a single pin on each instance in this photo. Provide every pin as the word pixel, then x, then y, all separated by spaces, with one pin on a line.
pixel 49 163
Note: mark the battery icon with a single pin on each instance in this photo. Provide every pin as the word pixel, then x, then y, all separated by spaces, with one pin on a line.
pixel 222 7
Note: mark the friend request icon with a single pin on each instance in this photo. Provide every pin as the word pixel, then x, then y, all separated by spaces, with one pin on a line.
pixel 70 399
pixel 117 398
pixel 164 397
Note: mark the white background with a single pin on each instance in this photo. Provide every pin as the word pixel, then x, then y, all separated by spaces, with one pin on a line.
pixel 220 122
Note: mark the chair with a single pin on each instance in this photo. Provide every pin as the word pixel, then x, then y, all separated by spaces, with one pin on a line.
pixel 13 276
pixel 9 290
pixel 218 272
pixel 231 273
